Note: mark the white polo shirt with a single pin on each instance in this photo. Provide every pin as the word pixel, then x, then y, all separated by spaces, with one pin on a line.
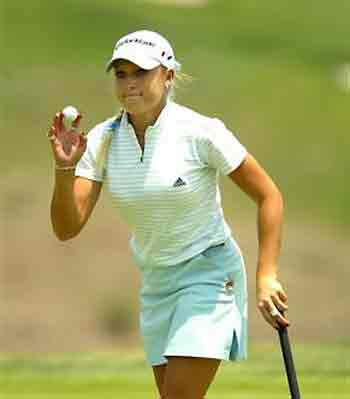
pixel 168 194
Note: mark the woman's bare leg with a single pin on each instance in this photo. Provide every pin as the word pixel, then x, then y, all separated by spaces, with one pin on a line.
pixel 186 377
pixel 159 375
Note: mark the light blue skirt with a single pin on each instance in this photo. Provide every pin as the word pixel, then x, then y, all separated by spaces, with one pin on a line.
pixel 196 308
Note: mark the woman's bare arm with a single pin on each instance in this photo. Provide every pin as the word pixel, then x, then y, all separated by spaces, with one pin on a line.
pixel 74 198
pixel 256 183
pixel 73 201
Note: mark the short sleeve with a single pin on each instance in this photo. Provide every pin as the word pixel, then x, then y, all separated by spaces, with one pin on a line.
pixel 220 149
pixel 91 165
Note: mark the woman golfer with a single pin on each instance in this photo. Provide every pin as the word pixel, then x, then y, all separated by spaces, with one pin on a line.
pixel 161 162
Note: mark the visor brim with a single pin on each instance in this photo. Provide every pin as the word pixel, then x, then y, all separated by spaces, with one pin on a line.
pixel 137 58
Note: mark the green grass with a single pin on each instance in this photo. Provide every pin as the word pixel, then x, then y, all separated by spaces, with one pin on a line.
pixel 324 372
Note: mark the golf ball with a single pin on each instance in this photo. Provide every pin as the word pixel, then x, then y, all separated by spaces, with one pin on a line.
pixel 70 113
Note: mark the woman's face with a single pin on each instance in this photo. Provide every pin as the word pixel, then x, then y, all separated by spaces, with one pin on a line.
pixel 138 90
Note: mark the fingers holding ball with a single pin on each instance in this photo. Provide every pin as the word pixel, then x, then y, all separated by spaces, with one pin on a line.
pixel 51 134
pixel 68 119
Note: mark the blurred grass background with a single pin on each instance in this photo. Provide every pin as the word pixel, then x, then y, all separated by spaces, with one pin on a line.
pixel 124 374
pixel 274 71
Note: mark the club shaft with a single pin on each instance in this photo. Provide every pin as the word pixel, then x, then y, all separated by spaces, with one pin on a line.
pixel 289 363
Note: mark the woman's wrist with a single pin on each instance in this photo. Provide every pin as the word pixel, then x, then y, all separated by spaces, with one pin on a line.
pixel 266 272
pixel 65 168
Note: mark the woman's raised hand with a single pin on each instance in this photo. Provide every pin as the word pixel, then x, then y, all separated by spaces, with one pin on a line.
pixel 68 145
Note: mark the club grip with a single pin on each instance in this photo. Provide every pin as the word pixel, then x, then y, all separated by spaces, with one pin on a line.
pixel 289 363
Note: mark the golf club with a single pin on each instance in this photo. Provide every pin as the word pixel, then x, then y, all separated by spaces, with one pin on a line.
pixel 289 363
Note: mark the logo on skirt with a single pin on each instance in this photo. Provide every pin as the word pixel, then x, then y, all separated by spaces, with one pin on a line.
pixel 229 284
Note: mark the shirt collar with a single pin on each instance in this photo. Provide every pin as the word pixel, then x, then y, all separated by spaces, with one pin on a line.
pixel 124 123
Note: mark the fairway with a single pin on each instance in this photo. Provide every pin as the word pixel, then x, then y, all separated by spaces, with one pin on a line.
pixel 323 372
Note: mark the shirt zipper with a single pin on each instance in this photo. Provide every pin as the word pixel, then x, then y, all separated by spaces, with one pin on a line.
pixel 143 150
pixel 139 145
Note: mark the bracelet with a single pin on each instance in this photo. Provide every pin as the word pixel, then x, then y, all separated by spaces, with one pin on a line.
pixel 65 167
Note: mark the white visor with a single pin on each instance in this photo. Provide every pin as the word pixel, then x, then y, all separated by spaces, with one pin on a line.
pixel 136 57
pixel 146 49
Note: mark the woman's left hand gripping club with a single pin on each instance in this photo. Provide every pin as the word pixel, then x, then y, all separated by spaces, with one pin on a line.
pixel 272 301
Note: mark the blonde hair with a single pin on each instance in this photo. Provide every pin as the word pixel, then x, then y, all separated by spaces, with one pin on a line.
pixel 102 151
pixel 180 80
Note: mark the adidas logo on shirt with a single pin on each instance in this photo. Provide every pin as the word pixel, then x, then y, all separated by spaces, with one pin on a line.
pixel 179 182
